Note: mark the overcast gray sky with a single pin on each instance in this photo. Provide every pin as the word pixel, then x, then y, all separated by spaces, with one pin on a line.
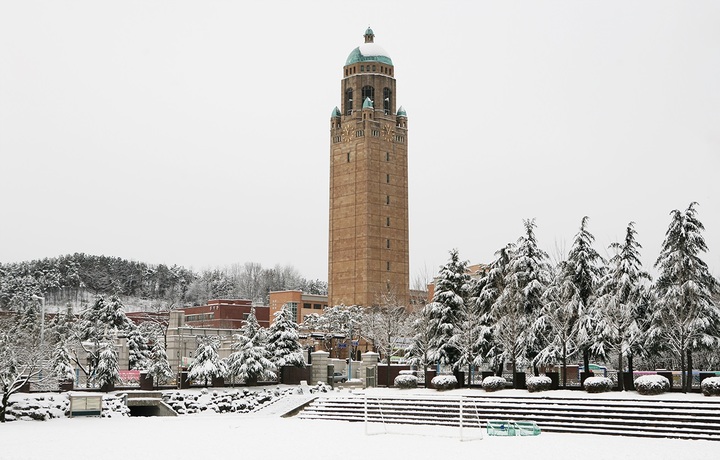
pixel 197 133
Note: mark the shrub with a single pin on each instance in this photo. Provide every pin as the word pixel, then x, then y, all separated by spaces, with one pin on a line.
pixel 598 384
pixel 444 382
pixel 652 384
pixel 540 383
pixel 493 383
pixel 405 381
pixel 710 386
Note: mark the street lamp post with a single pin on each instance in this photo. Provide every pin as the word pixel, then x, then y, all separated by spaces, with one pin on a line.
pixel 42 317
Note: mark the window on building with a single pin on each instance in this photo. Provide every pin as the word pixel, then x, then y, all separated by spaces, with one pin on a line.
pixel 307 305
pixel 349 101
pixel 293 307
pixel 387 156
pixel 387 178
pixel 387 243
pixel 348 157
pixel 387 199
pixel 387 99
pixel 388 266
pixel 317 306
pixel 387 222
pixel 368 91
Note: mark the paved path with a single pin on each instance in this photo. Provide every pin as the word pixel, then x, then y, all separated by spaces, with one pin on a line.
pixel 286 404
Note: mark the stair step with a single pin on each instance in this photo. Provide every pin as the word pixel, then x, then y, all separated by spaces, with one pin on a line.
pixel 649 418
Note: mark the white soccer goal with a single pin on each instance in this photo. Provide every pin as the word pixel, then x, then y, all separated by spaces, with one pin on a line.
pixel 468 428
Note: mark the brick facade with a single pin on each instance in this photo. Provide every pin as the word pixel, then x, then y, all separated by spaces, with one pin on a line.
pixel 368 253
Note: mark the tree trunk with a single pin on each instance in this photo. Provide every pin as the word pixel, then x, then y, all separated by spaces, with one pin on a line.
pixel 631 370
pixel 621 383
pixel 514 372
pixel 564 366
pixel 499 370
pixel 683 377
pixel 586 360
pixel 3 405
pixel 689 378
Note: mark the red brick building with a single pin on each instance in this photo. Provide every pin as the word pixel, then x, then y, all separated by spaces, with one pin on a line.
pixel 225 314
pixel 300 304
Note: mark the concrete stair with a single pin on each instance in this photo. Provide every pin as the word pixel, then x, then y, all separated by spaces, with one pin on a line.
pixel 624 417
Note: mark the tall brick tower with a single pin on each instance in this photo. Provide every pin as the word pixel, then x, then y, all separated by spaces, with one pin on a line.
pixel 368 257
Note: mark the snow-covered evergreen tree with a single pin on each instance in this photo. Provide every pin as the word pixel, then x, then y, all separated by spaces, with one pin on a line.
pixel 447 309
pixel 250 360
pixel 621 301
pixel 284 341
pixel 418 353
pixel 685 317
pixel 137 348
pixel 207 363
pixel 557 321
pixel 107 371
pixel 158 367
pixel 102 319
pixel 514 311
pixel 485 292
pixel 585 268
pixel 62 363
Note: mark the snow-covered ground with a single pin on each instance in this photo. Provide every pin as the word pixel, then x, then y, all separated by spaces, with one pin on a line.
pixel 209 435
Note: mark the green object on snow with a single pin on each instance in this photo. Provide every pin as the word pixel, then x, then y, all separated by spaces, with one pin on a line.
pixel 511 428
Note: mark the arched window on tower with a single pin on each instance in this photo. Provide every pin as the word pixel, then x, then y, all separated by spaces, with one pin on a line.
pixel 387 100
pixel 368 91
pixel 348 101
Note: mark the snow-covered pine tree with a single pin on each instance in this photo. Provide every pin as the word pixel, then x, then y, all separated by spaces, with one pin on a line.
pixel 207 363
pixel 557 322
pixel 61 363
pixel 159 368
pixel 485 292
pixel 418 352
pixel 283 340
pixel 685 317
pixel 111 313
pixel 513 313
pixel 107 371
pixel 585 268
pixel 447 309
pixel 250 360
pixel 620 302
pixel 137 348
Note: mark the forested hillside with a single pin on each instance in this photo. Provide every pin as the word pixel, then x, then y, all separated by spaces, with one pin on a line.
pixel 77 278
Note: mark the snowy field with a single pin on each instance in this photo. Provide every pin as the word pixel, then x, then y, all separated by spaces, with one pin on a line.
pixel 208 435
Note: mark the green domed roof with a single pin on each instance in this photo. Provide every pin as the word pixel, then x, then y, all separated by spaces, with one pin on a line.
pixel 401 112
pixel 336 113
pixel 369 52
pixel 367 103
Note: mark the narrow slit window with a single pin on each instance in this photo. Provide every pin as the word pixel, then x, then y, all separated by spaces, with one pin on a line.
pixel 387 222
pixel 388 266
pixel 387 178
pixel 387 243
pixel 348 157
pixel 387 199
